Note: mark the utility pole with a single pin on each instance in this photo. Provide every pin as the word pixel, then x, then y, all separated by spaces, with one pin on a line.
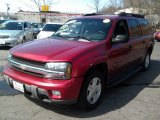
pixel 8 8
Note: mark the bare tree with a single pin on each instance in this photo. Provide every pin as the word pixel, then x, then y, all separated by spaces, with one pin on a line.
pixel 109 10
pixel 95 4
pixel 112 6
pixel 38 4
pixel 149 5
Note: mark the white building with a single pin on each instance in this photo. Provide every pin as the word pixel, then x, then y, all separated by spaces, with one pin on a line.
pixel 45 17
pixel 132 10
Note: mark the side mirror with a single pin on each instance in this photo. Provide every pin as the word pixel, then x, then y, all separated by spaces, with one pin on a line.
pixel 40 29
pixel 120 39
pixel 26 28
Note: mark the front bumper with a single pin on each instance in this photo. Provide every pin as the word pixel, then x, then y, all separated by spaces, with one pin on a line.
pixel 10 42
pixel 41 88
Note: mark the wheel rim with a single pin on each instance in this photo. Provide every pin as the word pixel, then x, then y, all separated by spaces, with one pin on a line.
pixel 94 90
pixel 147 61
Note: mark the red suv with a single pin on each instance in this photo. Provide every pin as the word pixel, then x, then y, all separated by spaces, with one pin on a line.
pixel 83 57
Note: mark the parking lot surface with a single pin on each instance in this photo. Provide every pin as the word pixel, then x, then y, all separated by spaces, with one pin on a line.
pixel 137 98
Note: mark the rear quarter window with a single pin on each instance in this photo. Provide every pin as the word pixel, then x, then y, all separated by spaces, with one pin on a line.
pixel 145 27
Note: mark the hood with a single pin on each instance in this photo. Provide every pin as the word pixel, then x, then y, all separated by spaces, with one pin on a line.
pixel 44 34
pixel 48 50
pixel 10 32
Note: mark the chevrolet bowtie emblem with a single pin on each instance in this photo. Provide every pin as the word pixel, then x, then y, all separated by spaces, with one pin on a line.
pixel 23 67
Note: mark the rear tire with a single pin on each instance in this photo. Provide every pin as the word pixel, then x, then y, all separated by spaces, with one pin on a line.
pixel 92 90
pixel 146 62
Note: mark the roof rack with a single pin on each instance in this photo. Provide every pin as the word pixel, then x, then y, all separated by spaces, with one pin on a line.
pixel 92 14
pixel 130 15
pixel 124 14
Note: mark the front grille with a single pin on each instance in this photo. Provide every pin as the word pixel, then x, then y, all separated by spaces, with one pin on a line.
pixel 28 62
pixel 4 36
pixel 27 66
pixel 28 72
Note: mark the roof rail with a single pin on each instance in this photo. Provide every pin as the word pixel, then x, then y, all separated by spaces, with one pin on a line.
pixel 131 15
pixel 92 14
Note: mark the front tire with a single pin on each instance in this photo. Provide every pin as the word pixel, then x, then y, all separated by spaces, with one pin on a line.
pixel 92 90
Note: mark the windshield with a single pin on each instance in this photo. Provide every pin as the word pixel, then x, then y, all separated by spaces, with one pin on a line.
pixel 1 21
pixel 89 29
pixel 11 26
pixel 51 27
pixel 37 25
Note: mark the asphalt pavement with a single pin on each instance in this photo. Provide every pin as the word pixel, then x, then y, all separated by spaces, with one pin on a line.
pixel 137 98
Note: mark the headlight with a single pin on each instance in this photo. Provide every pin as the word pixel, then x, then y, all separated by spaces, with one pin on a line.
pixel 59 70
pixel 9 56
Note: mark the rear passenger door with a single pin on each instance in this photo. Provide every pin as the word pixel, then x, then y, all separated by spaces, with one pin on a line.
pixel 28 31
pixel 137 41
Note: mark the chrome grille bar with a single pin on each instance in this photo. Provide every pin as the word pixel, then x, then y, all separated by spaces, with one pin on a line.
pixel 33 69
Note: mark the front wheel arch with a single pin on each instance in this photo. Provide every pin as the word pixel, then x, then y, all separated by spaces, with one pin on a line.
pixel 102 67
pixel 83 101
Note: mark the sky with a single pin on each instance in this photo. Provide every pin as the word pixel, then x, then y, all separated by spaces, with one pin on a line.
pixel 72 6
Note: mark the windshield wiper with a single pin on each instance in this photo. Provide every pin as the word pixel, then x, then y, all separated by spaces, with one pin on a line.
pixel 62 36
pixel 78 37
pixel 81 37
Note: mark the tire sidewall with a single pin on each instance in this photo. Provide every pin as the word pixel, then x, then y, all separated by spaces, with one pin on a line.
pixel 84 104
pixel 23 40
pixel 144 66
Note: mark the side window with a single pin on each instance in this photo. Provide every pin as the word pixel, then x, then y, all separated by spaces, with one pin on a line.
pixel 145 27
pixel 134 29
pixel 121 28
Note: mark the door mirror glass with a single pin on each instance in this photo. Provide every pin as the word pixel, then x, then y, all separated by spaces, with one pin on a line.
pixel 120 39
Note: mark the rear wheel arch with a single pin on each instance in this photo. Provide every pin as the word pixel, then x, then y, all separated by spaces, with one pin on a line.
pixel 150 49
pixel 23 39
pixel 146 61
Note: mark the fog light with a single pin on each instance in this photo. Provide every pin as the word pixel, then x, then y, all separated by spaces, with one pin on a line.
pixel 6 77
pixel 56 93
